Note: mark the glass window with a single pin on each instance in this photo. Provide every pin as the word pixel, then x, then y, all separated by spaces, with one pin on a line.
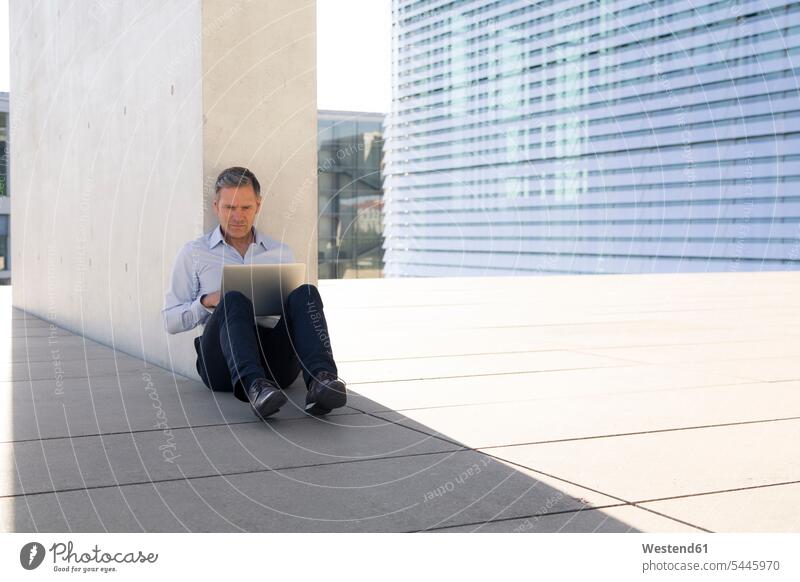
pixel 350 194
pixel 344 130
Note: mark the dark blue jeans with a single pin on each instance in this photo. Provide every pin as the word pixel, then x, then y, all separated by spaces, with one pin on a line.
pixel 233 351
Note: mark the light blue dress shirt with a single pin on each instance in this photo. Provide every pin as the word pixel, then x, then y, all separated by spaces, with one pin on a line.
pixel 198 271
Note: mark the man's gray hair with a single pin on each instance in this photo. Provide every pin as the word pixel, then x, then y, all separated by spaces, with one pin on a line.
pixel 235 177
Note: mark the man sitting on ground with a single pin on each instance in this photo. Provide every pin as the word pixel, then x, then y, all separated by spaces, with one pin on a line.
pixel 234 353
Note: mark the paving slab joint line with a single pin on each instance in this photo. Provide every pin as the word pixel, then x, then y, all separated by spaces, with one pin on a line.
pixel 593 490
pixel 589 352
pixel 230 474
pixel 717 492
pixel 655 431
pixel 436 436
pixel 481 452
pixel 512 373
pixel 533 515
pixel 174 428
pixel 740 382
pixel 32 359
pixel 94 375
pixel 455 355
pixel 703 529
pixel 637 502
pixel 584 352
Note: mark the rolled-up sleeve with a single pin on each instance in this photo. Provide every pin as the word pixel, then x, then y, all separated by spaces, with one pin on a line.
pixel 182 308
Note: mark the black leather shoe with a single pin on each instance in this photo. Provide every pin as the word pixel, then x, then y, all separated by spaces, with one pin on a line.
pixel 325 393
pixel 265 397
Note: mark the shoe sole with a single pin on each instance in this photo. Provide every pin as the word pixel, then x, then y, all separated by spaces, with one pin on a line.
pixel 271 405
pixel 329 400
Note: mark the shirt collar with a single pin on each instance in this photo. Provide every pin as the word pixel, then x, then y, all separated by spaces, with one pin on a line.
pixel 216 237
pixel 261 240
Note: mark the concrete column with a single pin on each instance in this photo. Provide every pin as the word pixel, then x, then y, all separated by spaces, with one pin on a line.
pixel 260 111
pixel 122 114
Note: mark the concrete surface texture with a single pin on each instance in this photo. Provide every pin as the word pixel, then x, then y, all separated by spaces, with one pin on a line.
pixel 122 115
pixel 654 403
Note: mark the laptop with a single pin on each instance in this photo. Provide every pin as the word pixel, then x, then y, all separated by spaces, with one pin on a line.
pixel 267 286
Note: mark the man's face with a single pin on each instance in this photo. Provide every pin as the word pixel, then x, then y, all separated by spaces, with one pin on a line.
pixel 236 209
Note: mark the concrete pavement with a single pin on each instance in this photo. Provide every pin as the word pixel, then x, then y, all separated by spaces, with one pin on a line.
pixel 651 403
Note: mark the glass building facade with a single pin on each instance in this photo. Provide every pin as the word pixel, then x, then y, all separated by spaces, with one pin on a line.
pixel 592 136
pixel 350 194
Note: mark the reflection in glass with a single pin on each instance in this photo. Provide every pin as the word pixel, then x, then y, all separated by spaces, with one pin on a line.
pixel 350 230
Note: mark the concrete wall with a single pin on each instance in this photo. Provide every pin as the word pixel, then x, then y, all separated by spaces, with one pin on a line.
pixel 5 203
pixel 260 110
pixel 122 114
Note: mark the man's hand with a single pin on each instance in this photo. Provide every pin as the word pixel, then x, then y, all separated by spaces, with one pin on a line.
pixel 210 300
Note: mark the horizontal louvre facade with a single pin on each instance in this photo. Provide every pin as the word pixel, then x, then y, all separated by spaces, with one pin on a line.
pixel 592 137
